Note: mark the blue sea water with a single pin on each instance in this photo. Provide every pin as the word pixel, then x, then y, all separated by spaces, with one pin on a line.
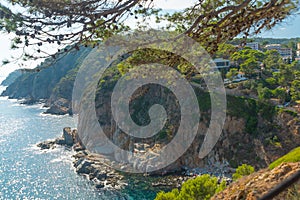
pixel 29 173
pixel 26 172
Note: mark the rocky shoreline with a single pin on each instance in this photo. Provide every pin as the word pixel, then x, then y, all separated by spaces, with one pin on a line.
pixel 94 167
pixel 85 163
pixel 59 107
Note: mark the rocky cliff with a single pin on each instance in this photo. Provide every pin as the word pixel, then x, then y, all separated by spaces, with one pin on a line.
pixel 47 79
pixel 254 133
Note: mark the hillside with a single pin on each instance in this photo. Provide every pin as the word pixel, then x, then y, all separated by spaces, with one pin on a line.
pixel 254 132
pixel 12 77
pixel 256 185
pixel 264 41
pixel 40 83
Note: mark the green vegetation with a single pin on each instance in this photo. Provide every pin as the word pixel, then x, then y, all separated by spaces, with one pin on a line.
pixel 201 188
pixel 295 91
pixel 272 60
pixel 248 60
pixel 232 73
pixel 265 41
pixel 272 77
pixel 99 20
pixel 242 170
pixel 274 140
pixel 292 156
pixel 290 112
pixel 241 107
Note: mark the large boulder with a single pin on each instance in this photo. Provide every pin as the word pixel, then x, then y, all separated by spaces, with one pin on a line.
pixel 46 145
pixel 84 167
pixel 59 107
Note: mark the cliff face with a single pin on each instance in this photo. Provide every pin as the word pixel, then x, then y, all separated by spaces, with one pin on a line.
pixel 254 133
pixel 60 100
pixel 48 81
pixel 236 146
pixel 272 140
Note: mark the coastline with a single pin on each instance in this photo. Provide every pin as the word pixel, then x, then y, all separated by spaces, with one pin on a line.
pixel 94 168
pixel 101 176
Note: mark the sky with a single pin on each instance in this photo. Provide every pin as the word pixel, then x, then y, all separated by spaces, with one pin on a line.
pixel 288 29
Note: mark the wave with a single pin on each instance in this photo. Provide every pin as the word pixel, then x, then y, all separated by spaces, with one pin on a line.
pixel 61 153
pixel 67 158
pixel 54 116
pixel 3 98
pixel 2 88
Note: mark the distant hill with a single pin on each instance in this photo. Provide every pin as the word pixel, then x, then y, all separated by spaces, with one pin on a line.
pixel 11 77
pixel 287 42
pixel 39 83
pixel 277 40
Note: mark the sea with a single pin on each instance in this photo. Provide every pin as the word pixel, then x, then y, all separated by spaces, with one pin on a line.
pixel 27 172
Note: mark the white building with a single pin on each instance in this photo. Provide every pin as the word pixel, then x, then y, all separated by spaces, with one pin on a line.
pixel 222 63
pixel 253 45
pixel 286 53
pixel 298 53
pixel 273 46
pixel 298 50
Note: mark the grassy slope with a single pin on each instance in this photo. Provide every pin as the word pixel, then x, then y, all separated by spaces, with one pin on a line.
pixel 292 156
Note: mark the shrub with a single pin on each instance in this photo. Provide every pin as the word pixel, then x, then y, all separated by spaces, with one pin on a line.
pixel 167 195
pixel 290 112
pixel 264 93
pixel 232 73
pixel 251 125
pixel 201 188
pixel 280 93
pixel 271 82
pixel 266 110
pixel 243 170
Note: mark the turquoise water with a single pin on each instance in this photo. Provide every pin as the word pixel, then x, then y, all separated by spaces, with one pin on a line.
pixel 28 173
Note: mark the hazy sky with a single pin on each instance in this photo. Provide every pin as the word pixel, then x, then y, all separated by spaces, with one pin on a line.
pixel 288 29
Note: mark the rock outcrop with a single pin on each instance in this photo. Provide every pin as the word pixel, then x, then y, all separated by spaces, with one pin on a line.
pixel 90 165
pixel 60 106
pixel 253 134
pixel 69 138
pixel 93 166
pixel 96 167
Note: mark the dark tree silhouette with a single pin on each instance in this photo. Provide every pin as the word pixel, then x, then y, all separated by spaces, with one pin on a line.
pixel 86 22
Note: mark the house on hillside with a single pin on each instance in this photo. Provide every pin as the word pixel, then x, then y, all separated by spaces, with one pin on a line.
pixel 223 65
pixel 253 45
pixel 286 53
pixel 298 52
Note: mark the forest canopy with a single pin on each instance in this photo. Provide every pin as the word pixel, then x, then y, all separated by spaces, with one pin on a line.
pixel 87 22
